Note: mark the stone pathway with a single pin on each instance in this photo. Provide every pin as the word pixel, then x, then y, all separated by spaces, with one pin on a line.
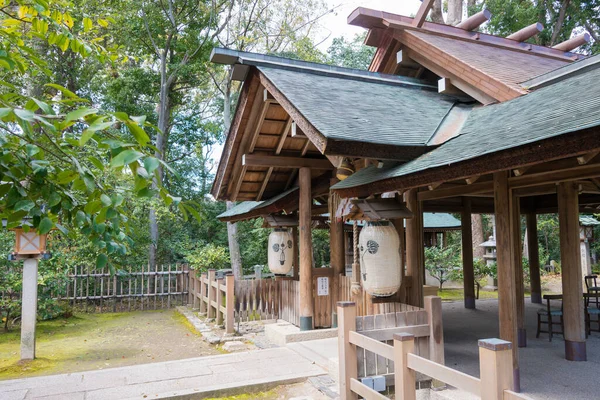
pixel 207 376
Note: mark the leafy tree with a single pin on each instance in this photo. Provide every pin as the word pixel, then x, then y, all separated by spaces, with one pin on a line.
pixel 350 53
pixel 442 263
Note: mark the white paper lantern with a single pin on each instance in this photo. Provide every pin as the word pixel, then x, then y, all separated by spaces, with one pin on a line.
pixel 379 246
pixel 280 251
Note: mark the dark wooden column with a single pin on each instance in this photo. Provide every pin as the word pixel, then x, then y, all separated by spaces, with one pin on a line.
pixel 295 254
pixel 467 254
pixel 534 258
pixel 415 257
pixel 306 251
pixel 337 255
pixel 517 255
pixel 570 257
pixel 507 302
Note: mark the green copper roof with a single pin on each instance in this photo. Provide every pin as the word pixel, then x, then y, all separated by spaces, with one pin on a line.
pixel 566 106
pixel 440 220
pixel 588 220
pixel 354 109
pixel 247 206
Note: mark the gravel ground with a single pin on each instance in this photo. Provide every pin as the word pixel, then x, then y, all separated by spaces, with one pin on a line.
pixel 545 374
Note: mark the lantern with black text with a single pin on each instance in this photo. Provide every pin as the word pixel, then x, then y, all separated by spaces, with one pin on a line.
pixel 379 246
pixel 280 251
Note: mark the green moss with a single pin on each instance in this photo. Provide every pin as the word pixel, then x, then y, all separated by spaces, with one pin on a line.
pixel 180 318
pixel 457 294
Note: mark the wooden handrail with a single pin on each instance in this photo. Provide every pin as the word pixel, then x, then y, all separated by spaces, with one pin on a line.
pixel 372 345
pixel 388 333
pixel 445 374
pixel 365 391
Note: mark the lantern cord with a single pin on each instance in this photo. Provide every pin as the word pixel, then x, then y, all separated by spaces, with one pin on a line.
pixel 356 289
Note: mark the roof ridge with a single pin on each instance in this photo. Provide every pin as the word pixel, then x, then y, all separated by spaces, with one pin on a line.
pixel 228 56
pixel 561 73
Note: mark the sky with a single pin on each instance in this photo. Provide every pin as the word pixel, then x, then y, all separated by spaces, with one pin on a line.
pixel 335 24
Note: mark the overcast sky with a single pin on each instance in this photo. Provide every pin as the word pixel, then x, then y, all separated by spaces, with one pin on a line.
pixel 334 24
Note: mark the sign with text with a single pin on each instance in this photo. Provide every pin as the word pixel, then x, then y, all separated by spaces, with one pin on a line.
pixel 323 286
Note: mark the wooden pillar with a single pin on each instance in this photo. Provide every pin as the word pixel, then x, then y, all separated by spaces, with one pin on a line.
pixel 570 257
pixel 348 369
pixel 295 254
pixel 306 251
pixel 467 254
pixel 495 368
pixel 399 225
pixel 415 257
pixel 29 308
pixel 507 301
pixel 337 254
pixel 229 302
pixel 211 312
pixel 534 258
pixel 517 255
pixel 404 377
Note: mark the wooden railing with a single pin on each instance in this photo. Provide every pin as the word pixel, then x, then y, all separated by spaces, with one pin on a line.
pixel 213 296
pixel 495 357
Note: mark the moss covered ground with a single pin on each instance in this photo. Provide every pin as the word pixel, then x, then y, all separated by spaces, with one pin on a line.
pixel 97 341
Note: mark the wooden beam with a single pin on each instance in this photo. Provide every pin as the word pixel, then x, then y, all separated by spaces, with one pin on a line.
pixel 467 254
pixel 306 251
pixel 259 160
pixel 337 255
pixel 507 302
pixel 471 180
pixel 284 135
pixel 463 190
pixel 527 32
pixel 568 174
pixel 422 13
pixel 517 260
pixel 573 43
pixel 415 257
pixel 474 21
pixel 445 86
pixel 434 185
pixel 586 158
pixel 403 60
pixel 570 256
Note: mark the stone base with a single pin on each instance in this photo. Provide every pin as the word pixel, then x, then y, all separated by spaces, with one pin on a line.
pixel 283 333
pixel 522 337
pixel 575 351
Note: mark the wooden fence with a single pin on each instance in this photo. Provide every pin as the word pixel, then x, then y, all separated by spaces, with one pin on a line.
pixel 402 361
pixel 289 305
pixel 214 297
pixel 98 290
pixel 256 299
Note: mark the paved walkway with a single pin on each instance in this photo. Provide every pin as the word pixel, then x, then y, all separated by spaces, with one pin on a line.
pixel 182 379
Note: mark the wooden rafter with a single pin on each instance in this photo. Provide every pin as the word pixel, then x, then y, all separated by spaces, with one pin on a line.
pixel 284 135
pixel 422 13
pixel 586 158
pixel 265 161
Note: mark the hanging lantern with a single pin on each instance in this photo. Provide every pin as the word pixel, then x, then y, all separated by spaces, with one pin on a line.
pixel 280 251
pixel 379 246
pixel 344 170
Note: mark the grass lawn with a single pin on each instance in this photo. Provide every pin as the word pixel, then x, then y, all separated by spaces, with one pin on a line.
pixel 457 294
pixel 97 341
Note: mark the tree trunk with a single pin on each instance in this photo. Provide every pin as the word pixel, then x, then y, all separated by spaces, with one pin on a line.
pixel 455 12
pixel 559 22
pixel 477 229
pixel 232 229
pixel 470 5
pixel 436 12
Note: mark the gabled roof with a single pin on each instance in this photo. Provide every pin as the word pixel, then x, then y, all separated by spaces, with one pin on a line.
pixel 442 221
pixel 588 220
pixel 253 209
pixel 566 106
pixel 342 108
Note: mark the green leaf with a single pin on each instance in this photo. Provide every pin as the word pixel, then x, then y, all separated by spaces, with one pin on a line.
pixel 105 200
pixel 87 24
pixel 125 157
pixel 151 163
pixel 45 225
pixel 25 115
pixel 64 91
pixel 54 199
pixel 101 261
pixel 24 205
pixel 85 137
pixel 43 106
pixel 138 133
pixel 80 113
pixel 80 218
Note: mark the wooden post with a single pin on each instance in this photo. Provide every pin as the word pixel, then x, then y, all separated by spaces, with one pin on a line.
pixel 433 306
pixel 29 294
pixel 399 225
pixel 534 258
pixel 404 377
pixel 229 305
pixel 507 301
pixel 306 251
pixel 467 254
pixel 295 254
pixel 219 300
pixel 415 257
pixel 517 255
pixel 210 310
pixel 495 368
pixel 203 293
pixel 568 219
pixel 337 253
pixel 347 352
